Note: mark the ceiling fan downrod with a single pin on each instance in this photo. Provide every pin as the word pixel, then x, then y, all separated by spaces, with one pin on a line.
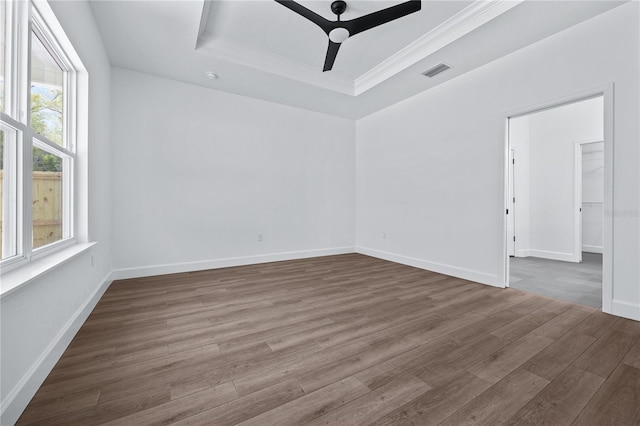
pixel 339 31
pixel 338 7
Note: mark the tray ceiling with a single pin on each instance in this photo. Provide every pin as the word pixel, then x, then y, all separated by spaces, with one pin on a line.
pixel 263 50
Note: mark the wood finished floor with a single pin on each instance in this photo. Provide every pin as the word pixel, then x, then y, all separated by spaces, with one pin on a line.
pixel 340 340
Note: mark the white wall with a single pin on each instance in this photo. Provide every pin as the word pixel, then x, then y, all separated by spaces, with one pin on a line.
pixel 39 321
pixel 553 134
pixel 592 196
pixel 199 173
pixel 430 170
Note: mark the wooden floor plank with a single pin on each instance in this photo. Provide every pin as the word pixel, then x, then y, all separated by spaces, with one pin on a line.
pixel 352 365
pixel 516 329
pixel 560 402
pixel 435 405
pixel 632 359
pixel 617 402
pixel 246 407
pixel 596 324
pixel 605 354
pixel 312 405
pixel 500 402
pixel 237 367
pixel 341 340
pixel 503 362
pixel 60 406
pixel 564 322
pixel 182 408
pixel 295 368
pixel 556 357
pixel 374 405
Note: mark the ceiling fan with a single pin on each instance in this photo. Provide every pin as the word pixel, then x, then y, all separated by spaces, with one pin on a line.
pixel 339 31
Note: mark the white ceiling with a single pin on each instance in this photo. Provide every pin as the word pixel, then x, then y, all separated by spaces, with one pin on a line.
pixel 264 50
pixel 269 30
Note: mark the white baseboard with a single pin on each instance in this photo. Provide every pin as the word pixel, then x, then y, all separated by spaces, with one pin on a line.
pixel 176 268
pixel 592 249
pixel 625 309
pixel 454 271
pixel 553 255
pixel 19 397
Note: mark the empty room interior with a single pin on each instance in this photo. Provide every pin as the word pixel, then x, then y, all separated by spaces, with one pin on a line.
pixel 280 212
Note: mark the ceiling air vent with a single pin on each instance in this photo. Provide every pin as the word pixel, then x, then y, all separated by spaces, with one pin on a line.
pixel 432 72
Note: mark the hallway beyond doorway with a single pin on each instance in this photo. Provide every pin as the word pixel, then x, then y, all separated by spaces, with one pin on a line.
pixel 575 282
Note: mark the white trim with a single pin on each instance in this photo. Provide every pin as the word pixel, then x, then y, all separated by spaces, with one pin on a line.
pixel 12 181
pixel 470 18
pixel 35 18
pixel 20 396
pixel 50 248
pixel 577 182
pixel 454 271
pixel 625 309
pixel 592 249
pixel 201 265
pixel 608 93
pixel 57 32
pixel 24 275
pixel 577 202
pixel 607 229
pixel 553 255
pixel 507 205
pixel 477 14
pixel 558 102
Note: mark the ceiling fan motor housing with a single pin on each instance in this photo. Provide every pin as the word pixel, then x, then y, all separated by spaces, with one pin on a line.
pixel 338 7
pixel 339 31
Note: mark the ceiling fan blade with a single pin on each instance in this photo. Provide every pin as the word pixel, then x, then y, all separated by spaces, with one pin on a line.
pixel 320 21
pixel 332 52
pixel 383 16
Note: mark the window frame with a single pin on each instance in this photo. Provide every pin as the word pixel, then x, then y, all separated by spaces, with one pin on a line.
pixel 23 22
pixel 12 178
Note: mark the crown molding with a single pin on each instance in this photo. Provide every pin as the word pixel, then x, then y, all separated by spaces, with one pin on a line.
pixel 478 13
pixel 475 15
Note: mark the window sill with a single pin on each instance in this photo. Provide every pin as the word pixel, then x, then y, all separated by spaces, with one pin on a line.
pixel 23 276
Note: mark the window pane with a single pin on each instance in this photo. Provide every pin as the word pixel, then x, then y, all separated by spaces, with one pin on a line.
pixel 8 192
pixel 47 198
pixel 46 93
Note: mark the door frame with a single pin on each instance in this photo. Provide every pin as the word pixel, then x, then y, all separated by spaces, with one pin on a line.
pixel 608 93
pixel 578 197
pixel 511 220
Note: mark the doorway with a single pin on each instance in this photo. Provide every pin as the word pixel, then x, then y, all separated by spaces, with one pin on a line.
pixel 558 187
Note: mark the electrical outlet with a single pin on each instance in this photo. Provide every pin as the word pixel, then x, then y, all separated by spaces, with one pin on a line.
pixel 384 235
pixel 259 237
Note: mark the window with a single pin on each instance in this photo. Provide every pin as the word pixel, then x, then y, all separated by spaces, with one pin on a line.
pixel 37 136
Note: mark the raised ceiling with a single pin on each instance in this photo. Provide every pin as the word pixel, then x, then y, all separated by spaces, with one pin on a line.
pixel 269 37
pixel 263 50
